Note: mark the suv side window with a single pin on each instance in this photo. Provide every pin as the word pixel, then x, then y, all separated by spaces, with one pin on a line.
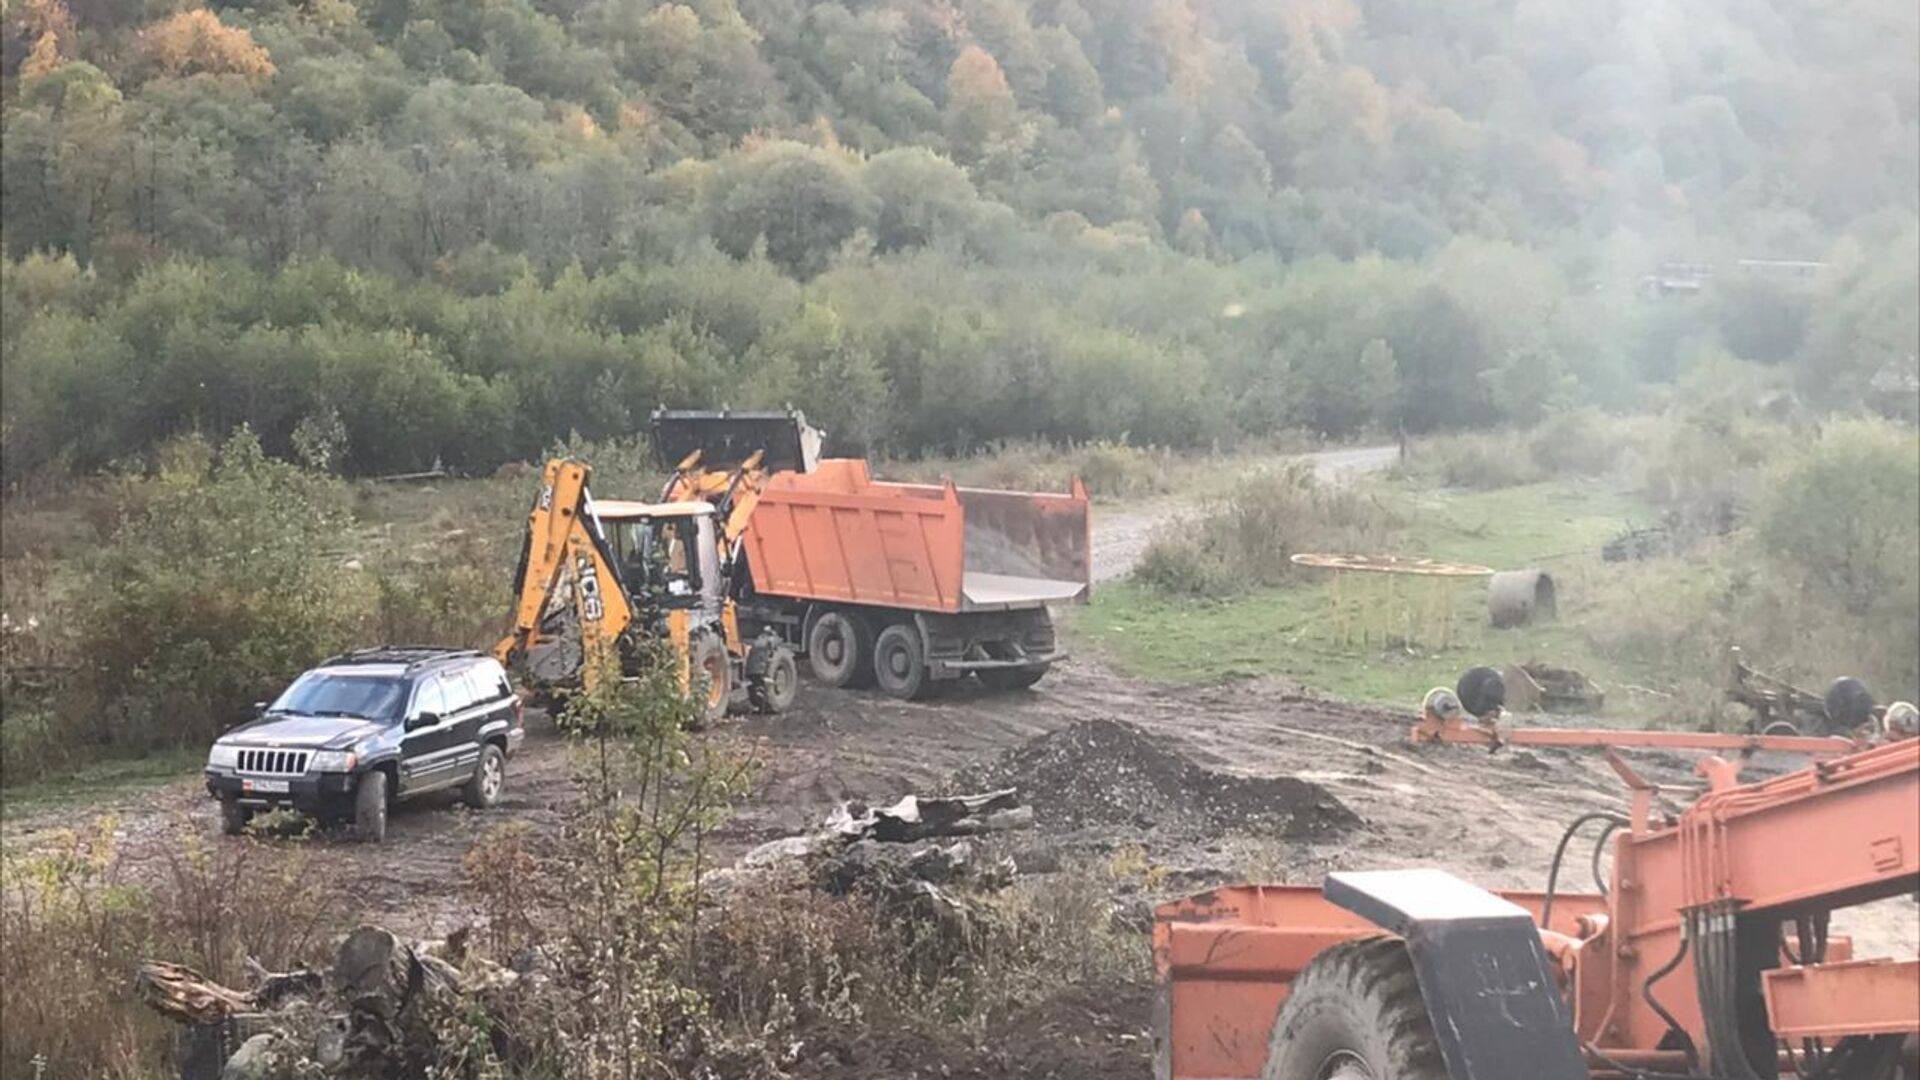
pixel 459 694
pixel 429 698
pixel 480 685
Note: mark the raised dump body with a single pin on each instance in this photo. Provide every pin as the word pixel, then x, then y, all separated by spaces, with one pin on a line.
pixel 837 534
pixel 908 584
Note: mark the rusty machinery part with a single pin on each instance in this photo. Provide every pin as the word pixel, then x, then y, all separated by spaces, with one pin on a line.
pixel 1450 718
pixel 1900 721
pixel 1848 704
pixel 1442 704
pixel 1481 692
pixel 1389 564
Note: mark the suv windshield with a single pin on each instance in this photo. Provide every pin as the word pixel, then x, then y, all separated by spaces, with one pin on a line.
pixel 368 697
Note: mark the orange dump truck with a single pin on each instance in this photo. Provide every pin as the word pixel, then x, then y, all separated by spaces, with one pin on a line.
pixel 905 585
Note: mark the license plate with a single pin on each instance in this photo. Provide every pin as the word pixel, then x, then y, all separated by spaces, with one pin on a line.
pixel 264 787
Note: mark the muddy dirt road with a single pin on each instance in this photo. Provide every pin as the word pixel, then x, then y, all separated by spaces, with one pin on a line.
pixel 1491 818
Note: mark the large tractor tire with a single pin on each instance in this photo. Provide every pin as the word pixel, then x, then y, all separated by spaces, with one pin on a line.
pixel 712 674
pixel 1355 1013
pixel 840 649
pixel 900 662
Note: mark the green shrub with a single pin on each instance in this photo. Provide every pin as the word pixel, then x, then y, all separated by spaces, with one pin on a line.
pixel 1248 538
pixel 1583 442
pixel 224 587
pixel 1844 517
pixel 456 592
pixel 1480 460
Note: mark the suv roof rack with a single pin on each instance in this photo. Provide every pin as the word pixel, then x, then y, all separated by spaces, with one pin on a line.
pixel 411 655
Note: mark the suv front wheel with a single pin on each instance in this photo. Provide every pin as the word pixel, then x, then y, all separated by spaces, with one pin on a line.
pixel 370 807
pixel 489 777
pixel 234 817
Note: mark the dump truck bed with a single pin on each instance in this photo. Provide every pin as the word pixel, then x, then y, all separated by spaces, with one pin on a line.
pixel 836 534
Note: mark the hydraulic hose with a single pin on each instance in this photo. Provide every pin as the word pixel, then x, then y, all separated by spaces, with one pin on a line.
pixel 1560 853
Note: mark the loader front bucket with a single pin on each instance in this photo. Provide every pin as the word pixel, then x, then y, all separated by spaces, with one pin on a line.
pixel 726 438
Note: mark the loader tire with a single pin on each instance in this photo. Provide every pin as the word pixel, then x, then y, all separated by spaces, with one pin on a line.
pixel 840 649
pixel 713 669
pixel 1355 1013
pixel 900 663
pixel 773 690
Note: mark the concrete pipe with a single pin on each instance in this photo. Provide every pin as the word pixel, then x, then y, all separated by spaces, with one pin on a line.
pixel 1519 597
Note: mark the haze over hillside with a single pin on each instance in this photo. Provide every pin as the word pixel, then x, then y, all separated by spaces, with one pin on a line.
pixel 456 230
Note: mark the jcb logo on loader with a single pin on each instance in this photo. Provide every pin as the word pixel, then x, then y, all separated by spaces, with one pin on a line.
pixel 591 605
pixel 546 497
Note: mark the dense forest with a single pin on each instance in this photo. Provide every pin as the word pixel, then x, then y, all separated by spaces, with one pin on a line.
pixel 419 231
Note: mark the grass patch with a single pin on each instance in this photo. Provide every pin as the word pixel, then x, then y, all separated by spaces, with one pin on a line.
pixel 1289 631
pixel 99 781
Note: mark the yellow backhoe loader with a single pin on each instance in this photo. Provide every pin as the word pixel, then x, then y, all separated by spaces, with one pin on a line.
pixel 604 577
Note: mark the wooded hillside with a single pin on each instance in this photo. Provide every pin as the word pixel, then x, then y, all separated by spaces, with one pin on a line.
pixel 455 230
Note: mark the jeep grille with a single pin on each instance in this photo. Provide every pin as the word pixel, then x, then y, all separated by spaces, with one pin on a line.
pixel 274 762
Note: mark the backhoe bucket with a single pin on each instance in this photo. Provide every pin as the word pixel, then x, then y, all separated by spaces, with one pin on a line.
pixel 727 438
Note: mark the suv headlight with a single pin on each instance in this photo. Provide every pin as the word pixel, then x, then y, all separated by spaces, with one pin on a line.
pixel 333 761
pixel 223 756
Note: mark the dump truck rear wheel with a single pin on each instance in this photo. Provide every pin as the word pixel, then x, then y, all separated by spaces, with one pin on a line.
pixel 1355 1013
pixel 840 649
pixel 1011 678
pixel 899 662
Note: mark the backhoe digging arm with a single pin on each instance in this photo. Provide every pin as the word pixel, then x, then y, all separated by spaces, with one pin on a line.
pixel 565 549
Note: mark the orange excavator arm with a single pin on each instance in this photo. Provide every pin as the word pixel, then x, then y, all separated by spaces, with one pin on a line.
pixel 565 561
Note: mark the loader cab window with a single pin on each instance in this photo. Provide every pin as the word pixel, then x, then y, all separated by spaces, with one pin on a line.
pixel 660 555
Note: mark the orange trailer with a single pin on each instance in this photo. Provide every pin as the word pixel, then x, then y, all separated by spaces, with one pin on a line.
pixel 909 584
pixel 1708 957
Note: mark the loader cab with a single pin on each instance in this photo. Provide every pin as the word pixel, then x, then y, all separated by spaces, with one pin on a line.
pixel 666 551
